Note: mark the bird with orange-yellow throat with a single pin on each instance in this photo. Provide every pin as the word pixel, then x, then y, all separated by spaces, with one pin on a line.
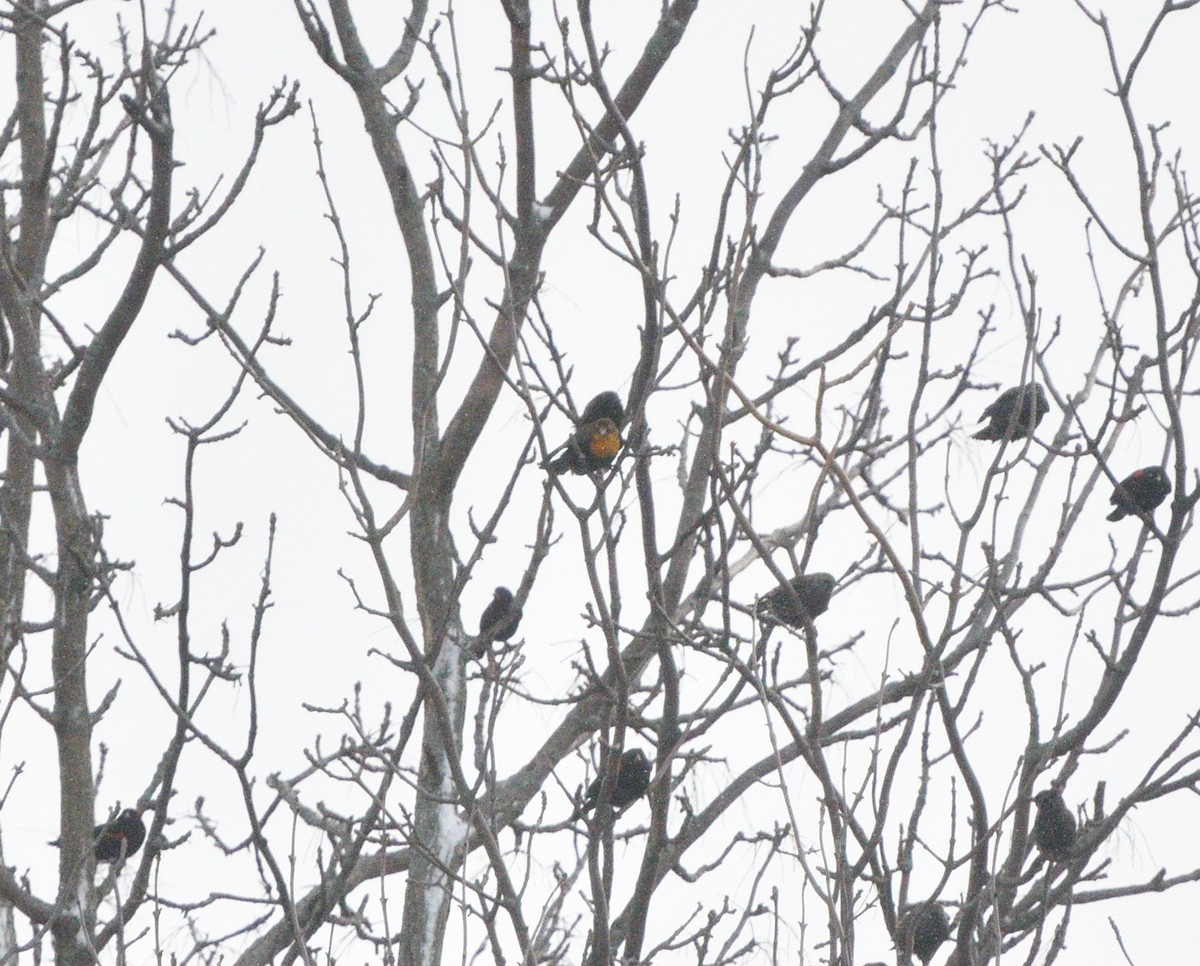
pixel 597 438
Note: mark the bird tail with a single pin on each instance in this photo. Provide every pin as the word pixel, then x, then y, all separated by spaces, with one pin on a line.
pixel 569 460
pixel 988 432
pixel 1117 514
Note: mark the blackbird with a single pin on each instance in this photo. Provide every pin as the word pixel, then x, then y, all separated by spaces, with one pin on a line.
pixel 633 778
pixel 126 829
pixel 499 620
pixel 1142 490
pixel 807 594
pixel 1054 827
pixel 1014 413
pixel 929 927
pixel 596 440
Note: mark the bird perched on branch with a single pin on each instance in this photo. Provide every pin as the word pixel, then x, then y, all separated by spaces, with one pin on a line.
pixel 633 779
pixel 1054 827
pixel 596 440
pixel 499 620
pixel 928 928
pixel 807 594
pixel 1014 413
pixel 123 835
pixel 1142 490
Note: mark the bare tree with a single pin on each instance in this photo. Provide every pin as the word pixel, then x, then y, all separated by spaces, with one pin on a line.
pixel 793 402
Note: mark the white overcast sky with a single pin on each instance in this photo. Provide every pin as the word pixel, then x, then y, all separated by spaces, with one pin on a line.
pixel 1046 59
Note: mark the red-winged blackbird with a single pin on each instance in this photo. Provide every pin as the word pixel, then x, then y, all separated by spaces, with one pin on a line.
pixel 928 928
pixel 633 778
pixel 596 440
pixel 1014 413
pixel 499 620
pixel 1054 827
pixel 1142 489
pixel 807 594
pixel 126 829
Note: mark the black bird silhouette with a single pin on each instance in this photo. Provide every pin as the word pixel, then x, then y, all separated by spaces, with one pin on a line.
pixel 596 440
pixel 1014 413
pixel 499 620
pixel 633 778
pixel 807 594
pixel 929 927
pixel 126 829
pixel 1142 489
pixel 1054 827
pixel 607 405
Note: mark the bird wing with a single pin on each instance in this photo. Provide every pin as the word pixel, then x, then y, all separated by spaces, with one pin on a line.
pixel 996 404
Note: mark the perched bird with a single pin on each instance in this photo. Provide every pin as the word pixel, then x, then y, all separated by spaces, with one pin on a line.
pixel 1054 827
pixel 807 594
pixel 928 928
pixel 125 830
pixel 596 440
pixel 499 620
pixel 1014 413
pixel 1142 490
pixel 633 778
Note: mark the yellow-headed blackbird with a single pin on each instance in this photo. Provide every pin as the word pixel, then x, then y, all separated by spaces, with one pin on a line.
pixel 1054 827
pixel 596 440
pixel 928 928
pixel 1142 490
pixel 499 620
pixel 592 446
pixel 124 833
pixel 1014 413
pixel 633 778
pixel 807 594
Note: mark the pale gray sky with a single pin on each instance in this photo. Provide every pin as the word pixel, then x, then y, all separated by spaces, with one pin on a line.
pixel 1045 58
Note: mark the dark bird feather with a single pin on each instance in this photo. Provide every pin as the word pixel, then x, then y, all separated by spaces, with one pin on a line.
pixel 1015 413
pixel 607 405
pixel 499 620
pixel 1142 490
pixel 593 446
pixel 929 927
pixel 633 779
pixel 125 831
pixel 596 440
pixel 807 594
pixel 1054 826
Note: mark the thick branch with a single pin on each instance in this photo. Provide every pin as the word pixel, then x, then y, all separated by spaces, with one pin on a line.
pixel 100 354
